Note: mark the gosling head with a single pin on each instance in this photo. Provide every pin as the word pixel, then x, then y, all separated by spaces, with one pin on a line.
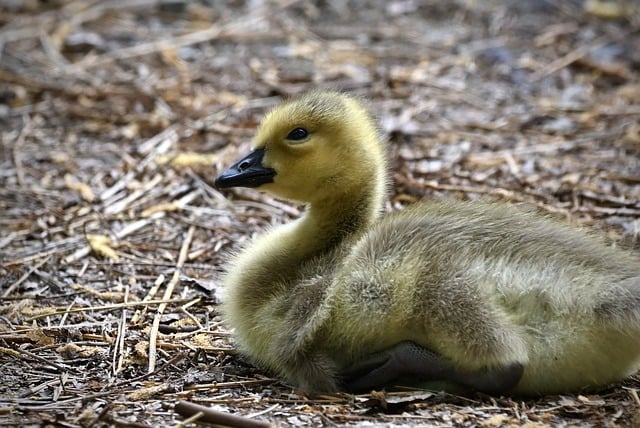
pixel 317 144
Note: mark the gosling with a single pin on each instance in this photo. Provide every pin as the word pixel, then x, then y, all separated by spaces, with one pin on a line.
pixel 447 294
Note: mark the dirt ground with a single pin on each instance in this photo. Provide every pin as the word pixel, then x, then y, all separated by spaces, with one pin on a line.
pixel 116 116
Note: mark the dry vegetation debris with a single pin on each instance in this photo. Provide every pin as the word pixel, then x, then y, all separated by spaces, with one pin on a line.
pixel 115 117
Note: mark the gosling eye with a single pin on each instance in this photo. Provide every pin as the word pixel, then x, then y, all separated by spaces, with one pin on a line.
pixel 297 134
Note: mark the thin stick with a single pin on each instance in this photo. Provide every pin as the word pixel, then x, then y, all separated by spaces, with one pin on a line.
pixel 118 349
pixel 122 204
pixel 110 307
pixel 150 295
pixel 112 390
pixel 190 420
pixel 153 334
pixel 59 246
pixel 567 60
pixel 220 385
pixel 265 411
pixel 21 353
pixel 513 196
pixel 191 316
pixel 63 318
pixel 172 361
pixel 188 409
pixel 20 280
pixel 26 129
pixel 634 395
pixel 132 227
pixel 154 146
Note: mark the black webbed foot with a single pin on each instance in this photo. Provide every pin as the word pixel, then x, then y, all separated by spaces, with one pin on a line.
pixel 407 360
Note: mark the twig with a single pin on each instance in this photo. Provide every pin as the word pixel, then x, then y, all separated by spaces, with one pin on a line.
pixel 634 395
pixel 50 248
pixel 535 149
pixel 218 385
pixel 188 409
pixel 150 47
pixel 109 307
pixel 111 391
pixel 610 211
pixel 153 334
pixel 21 353
pixel 118 348
pixel 52 51
pixel 192 38
pixel 184 310
pixel 6 240
pixel 150 295
pixel 504 193
pixel 63 318
pixel 190 420
pixel 265 411
pixel 70 14
pixel 36 389
pixel 154 146
pixel 567 60
pixel 17 145
pixel 20 280
pixel 119 206
pixel 172 361
pixel 127 230
pixel 174 205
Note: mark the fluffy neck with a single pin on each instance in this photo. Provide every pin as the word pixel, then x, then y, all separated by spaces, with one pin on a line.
pixel 272 263
pixel 329 222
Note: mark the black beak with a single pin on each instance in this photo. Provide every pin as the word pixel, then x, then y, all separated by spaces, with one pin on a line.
pixel 247 172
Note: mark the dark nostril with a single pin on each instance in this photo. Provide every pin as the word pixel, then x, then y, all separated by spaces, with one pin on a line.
pixel 244 165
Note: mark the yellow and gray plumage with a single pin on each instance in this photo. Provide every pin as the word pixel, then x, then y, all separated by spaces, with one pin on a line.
pixel 483 296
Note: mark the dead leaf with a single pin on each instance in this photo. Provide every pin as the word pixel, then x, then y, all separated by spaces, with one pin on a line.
pixel 84 189
pixel 187 159
pixel 495 420
pixel 604 9
pixel 145 393
pixel 40 337
pixel 141 349
pixel 109 296
pixel 101 244
pixel 72 350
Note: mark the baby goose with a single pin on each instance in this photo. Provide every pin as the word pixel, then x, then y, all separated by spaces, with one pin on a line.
pixel 486 297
